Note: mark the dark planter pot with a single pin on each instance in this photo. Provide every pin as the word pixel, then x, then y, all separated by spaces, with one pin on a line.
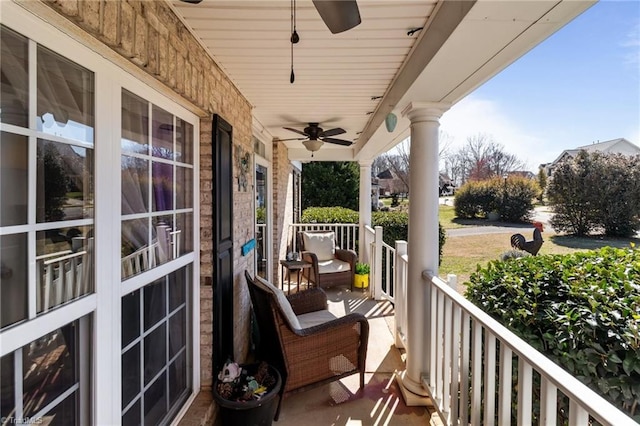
pixel 250 413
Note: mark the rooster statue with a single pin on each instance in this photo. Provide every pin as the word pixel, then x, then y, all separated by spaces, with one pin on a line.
pixel 518 241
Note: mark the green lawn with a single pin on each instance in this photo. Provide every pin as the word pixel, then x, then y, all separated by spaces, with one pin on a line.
pixel 461 255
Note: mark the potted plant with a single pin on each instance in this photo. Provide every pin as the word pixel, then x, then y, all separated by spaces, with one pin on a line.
pixel 361 278
pixel 247 394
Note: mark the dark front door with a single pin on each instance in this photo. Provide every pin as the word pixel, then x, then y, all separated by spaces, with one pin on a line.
pixel 222 242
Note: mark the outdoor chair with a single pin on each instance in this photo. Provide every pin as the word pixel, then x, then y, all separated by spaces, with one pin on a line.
pixel 306 343
pixel 330 265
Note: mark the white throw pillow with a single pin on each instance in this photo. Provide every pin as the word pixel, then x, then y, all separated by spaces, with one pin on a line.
pixel 323 244
pixel 283 303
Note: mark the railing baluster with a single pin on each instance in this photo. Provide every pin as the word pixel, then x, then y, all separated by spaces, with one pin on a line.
pixel 476 374
pixel 455 364
pixel 505 389
pixel 489 378
pixel 465 349
pixel 578 416
pixel 525 392
pixel 548 402
pixel 447 362
pixel 439 348
pixel 432 338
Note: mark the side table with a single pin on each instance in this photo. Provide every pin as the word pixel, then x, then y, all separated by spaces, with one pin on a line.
pixel 293 265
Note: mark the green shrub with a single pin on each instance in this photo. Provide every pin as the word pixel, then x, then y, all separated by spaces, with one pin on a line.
pixel 395 224
pixel 512 198
pixel 520 193
pixel 329 215
pixel 582 310
pixel 513 254
pixel 595 190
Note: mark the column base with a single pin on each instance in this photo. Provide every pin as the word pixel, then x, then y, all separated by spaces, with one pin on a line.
pixel 413 393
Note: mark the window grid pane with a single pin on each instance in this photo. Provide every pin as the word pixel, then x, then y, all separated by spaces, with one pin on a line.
pixel 157 182
pixel 160 379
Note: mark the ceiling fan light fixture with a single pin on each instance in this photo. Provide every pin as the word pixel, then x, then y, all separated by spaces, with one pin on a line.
pixel 313 144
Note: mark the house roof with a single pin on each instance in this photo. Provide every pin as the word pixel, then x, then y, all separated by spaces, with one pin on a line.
pixel 619 145
pixel 354 79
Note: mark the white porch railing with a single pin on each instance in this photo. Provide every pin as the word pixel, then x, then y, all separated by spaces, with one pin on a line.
pixel 472 359
pixel 382 275
pixel 64 275
pixel 164 247
pixel 346 233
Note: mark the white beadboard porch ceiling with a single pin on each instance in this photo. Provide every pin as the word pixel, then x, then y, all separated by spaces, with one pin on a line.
pixel 339 77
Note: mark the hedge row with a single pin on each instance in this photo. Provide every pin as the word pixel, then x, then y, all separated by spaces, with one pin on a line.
pixel 395 224
pixel 582 310
pixel 594 192
pixel 511 198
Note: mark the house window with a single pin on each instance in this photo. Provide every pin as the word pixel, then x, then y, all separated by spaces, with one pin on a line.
pixel 46 180
pixel 41 381
pixel 157 213
pixel 157 186
pixel 61 197
pixel 155 350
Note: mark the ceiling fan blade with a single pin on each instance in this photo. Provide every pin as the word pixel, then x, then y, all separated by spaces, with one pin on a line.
pixel 337 141
pixel 292 139
pixel 296 131
pixel 333 132
pixel 338 15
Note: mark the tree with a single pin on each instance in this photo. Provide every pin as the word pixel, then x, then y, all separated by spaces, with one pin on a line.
pixel 479 159
pixel 397 161
pixel 595 190
pixel 542 183
pixel 55 181
pixel 329 184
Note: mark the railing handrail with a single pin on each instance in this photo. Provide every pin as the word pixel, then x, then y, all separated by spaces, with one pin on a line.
pixel 564 381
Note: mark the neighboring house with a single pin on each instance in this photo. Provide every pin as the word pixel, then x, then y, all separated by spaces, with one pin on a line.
pixel 614 146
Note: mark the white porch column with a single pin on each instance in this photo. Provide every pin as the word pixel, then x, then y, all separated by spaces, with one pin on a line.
pixel 423 234
pixel 365 205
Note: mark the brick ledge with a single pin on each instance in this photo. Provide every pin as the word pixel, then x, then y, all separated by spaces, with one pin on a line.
pixel 202 412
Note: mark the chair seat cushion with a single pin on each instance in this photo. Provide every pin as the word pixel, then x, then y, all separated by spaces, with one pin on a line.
pixel 315 318
pixel 333 265
pixel 323 244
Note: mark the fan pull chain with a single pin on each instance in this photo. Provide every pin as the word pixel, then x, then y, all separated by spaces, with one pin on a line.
pixel 294 38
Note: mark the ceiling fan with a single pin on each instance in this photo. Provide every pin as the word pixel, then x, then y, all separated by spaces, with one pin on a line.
pixel 315 137
pixel 338 15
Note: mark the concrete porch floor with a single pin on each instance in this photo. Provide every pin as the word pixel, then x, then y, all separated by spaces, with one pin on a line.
pixel 340 402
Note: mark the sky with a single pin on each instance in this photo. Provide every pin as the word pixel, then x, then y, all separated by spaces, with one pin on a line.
pixel 581 85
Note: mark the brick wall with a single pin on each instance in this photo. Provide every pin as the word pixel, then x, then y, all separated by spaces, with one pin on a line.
pixel 282 205
pixel 148 38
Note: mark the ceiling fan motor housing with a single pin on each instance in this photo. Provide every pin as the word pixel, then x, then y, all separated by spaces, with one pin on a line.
pixel 313 131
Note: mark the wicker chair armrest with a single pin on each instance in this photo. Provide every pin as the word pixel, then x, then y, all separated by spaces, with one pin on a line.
pixel 313 259
pixel 311 300
pixel 309 256
pixel 349 256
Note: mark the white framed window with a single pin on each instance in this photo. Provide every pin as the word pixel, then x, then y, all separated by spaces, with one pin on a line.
pixel 46 180
pixel 64 140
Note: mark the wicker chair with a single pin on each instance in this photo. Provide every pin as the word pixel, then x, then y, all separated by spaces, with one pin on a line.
pixel 331 265
pixel 303 340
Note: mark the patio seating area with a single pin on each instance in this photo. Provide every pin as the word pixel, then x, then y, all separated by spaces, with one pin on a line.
pixel 339 402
